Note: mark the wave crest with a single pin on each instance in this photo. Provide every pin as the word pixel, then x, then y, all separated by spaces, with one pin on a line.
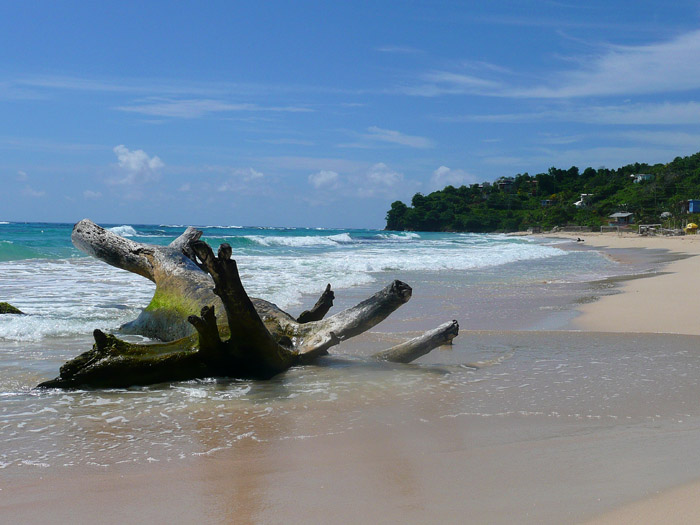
pixel 125 230
pixel 301 242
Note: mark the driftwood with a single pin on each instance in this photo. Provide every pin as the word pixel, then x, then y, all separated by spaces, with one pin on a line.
pixel 7 308
pixel 251 338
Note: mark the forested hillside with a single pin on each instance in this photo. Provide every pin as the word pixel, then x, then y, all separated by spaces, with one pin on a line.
pixel 550 199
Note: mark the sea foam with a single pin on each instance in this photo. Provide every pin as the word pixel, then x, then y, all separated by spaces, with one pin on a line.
pixel 124 230
pixel 77 295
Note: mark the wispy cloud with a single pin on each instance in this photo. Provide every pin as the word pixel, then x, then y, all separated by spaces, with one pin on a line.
pixel 662 113
pixel 28 191
pixel 243 180
pixel 247 174
pixel 664 138
pixel 39 85
pixel 404 50
pixel 314 163
pixel 611 156
pixel 195 108
pixel 46 145
pixel 438 83
pixel 92 195
pixel 286 141
pixel 660 67
pixel 396 137
pixel 11 91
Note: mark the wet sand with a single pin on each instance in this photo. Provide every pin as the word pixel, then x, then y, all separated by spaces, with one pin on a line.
pixel 531 437
pixel 662 304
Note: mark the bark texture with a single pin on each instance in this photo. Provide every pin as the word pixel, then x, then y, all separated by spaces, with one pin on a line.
pixel 251 338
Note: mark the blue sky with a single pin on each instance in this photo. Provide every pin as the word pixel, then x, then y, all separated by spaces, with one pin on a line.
pixel 323 113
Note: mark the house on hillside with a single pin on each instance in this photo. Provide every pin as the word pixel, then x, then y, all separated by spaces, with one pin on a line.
pixel 690 206
pixel 639 177
pixel 621 218
pixel 505 184
pixel 584 201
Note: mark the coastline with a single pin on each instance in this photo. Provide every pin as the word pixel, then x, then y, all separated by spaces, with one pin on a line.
pixel 656 303
pixel 433 449
pixel 659 303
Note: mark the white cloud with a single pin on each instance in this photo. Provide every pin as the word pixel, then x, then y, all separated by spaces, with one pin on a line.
pixel 379 180
pixel 438 83
pixel 248 173
pixel 652 68
pixel 658 67
pixel 195 108
pixel 242 180
pixel 324 179
pixel 467 83
pixel 89 194
pixel 381 174
pixel 22 175
pixel 396 137
pixel 444 176
pixel 136 166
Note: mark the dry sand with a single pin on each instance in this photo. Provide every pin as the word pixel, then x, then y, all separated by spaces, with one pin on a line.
pixel 664 304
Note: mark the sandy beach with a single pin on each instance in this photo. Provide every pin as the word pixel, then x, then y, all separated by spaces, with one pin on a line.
pixel 662 304
pixel 581 435
pixel 659 305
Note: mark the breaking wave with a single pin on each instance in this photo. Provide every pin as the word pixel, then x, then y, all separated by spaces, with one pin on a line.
pixel 124 231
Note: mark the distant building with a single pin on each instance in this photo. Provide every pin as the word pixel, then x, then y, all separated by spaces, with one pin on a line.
pixel 621 218
pixel 585 200
pixel 639 177
pixel 505 183
pixel 545 202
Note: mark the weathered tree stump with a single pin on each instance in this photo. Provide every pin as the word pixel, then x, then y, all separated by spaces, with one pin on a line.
pixel 253 338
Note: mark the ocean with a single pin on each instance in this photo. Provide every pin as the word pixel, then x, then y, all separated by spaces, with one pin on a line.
pixel 507 293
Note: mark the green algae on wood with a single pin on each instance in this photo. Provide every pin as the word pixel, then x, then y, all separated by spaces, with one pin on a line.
pixel 7 308
pixel 252 339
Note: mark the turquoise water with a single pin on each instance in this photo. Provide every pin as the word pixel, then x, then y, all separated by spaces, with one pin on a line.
pixel 19 241
pixel 279 264
pixel 480 280
pixel 69 294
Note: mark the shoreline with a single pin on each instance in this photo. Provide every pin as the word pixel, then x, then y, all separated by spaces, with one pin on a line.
pixel 660 303
pixel 649 303
pixel 527 439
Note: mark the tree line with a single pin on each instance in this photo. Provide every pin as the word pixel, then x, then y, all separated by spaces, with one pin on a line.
pixel 550 199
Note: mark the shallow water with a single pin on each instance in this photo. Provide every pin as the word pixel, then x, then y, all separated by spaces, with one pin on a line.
pixel 600 379
pixel 489 283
